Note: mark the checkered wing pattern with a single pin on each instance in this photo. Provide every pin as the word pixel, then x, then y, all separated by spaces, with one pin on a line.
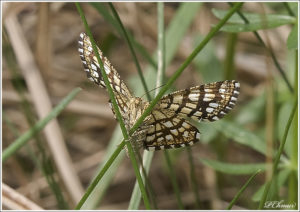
pixel 92 69
pixel 169 127
pixel 208 102
pixel 168 130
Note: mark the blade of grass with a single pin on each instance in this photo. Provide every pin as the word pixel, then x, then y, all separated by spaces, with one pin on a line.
pixel 148 155
pixel 290 11
pixel 293 178
pixel 280 181
pixel 99 176
pixel 160 76
pixel 21 141
pixel 116 109
pixel 173 178
pixel 233 168
pixel 229 60
pixel 131 50
pixel 241 135
pixel 100 7
pixel 95 198
pixel 242 190
pixel 56 189
pixel 175 32
pixel 277 158
pixel 125 34
pixel 194 178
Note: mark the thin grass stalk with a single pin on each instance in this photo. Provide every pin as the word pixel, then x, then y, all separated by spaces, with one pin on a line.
pixel 287 6
pixel 148 155
pixel 129 42
pixel 233 201
pixel 131 50
pixel 173 178
pixel 160 76
pixel 269 50
pixel 194 178
pixel 293 179
pixel 100 175
pixel 52 183
pixel 159 81
pixel 277 157
pixel 147 182
pixel 107 16
pixel 229 60
pixel 116 109
pixel 270 108
pixel 21 141
pixel 50 178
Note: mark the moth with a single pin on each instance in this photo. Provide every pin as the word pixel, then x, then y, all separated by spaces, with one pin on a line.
pixel 167 126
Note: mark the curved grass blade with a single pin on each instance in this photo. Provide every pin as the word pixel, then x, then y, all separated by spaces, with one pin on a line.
pixel 240 135
pixel 237 24
pixel 131 50
pixel 242 190
pixel 233 168
pixel 21 141
pixel 100 7
pixel 277 158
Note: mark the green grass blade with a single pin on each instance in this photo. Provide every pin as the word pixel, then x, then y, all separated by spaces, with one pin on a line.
pixel 148 155
pixel 99 176
pixel 236 23
pixel 253 111
pixel 175 32
pixel 194 182
pixel 99 192
pixel 159 81
pixel 136 194
pixel 229 72
pixel 292 41
pixel 137 64
pixel 287 6
pixel 233 168
pixel 240 135
pixel 100 7
pixel 277 158
pixel 21 141
pixel 242 190
pixel 282 179
pixel 173 178
pixel 179 26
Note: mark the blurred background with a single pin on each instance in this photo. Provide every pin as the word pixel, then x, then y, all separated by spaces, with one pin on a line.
pixel 41 65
